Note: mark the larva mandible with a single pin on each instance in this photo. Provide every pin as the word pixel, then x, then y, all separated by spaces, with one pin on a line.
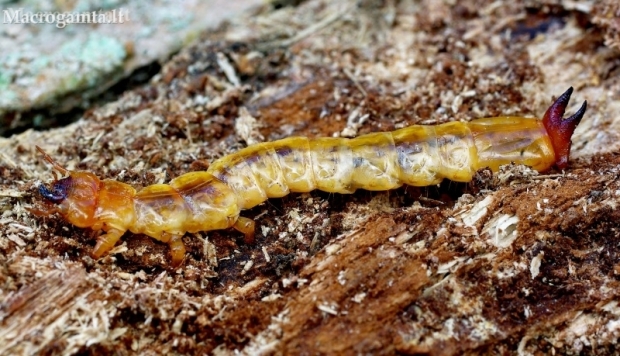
pixel 213 199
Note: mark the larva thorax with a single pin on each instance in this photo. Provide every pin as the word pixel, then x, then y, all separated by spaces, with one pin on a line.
pixel 190 203
pixel 203 201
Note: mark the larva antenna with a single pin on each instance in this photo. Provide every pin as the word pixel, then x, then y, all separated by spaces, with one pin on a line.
pixel 560 130
pixel 55 165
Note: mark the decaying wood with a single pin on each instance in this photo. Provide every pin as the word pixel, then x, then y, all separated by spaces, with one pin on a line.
pixel 516 263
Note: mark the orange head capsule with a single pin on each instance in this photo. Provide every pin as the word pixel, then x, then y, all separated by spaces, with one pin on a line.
pixel 75 196
pixel 560 130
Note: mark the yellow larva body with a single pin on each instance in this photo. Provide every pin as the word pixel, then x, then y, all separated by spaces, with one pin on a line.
pixel 415 155
pixel 213 199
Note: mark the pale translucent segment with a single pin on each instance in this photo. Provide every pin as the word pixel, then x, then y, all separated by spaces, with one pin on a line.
pixel 501 140
pixel 333 164
pixel 269 174
pixel 456 151
pixel 375 165
pixel 295 161
pixel 238 175
pixel 267 170
pixel 428 154
pixel 242 180
pixel 416 149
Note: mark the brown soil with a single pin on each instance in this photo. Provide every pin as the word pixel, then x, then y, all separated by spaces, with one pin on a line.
pixel 514 262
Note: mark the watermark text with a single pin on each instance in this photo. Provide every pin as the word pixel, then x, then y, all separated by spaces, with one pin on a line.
pixel 62 19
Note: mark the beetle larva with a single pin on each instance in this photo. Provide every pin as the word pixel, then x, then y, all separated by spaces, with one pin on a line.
pixel 213 199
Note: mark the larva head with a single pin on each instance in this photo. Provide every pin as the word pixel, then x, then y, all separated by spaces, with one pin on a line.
pixel 560 130
pixel 75 196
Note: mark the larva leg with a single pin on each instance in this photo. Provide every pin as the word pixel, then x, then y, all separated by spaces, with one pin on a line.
pixel 247 227
pixel 106 241
pixel 177 249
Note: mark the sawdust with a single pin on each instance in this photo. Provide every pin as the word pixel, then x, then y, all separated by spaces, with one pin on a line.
pixel 515 263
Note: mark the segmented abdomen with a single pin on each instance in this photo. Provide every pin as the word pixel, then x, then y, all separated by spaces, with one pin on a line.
pixel 416 155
